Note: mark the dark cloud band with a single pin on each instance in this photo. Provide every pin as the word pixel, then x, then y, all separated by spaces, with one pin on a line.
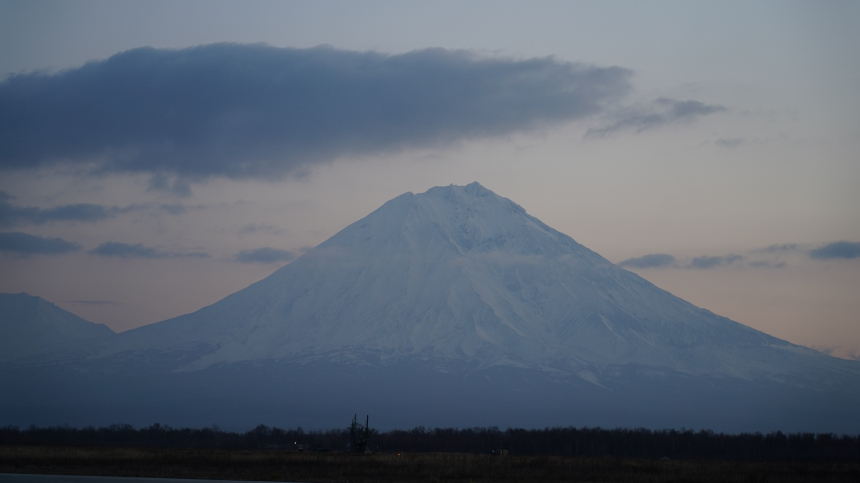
pixel 713 262
pixel 649 261
pixel 12 215
pixel 257 111
pixel 840 249
pixel 660 113
pixel 830 251
pixel 658 260
pixel 25 244
pixel 138 250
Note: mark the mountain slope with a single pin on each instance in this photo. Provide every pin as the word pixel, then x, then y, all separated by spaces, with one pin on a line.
pixel 452 307
pixel 31 326
pixel 460 274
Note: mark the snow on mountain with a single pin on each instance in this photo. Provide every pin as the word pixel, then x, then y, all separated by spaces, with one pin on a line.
pixel 459 274
pixel 30 326
pixel 452 307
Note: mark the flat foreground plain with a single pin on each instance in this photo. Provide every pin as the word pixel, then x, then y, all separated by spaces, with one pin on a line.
pixel 430 467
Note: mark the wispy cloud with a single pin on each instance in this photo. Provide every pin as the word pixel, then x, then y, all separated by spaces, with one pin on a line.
pixel 265 255
pixel 765 264
pixel 840 249
pixel 24 244
pixel 771 257
pixel 649 261
pixel 258 111
pixel 125 250
pixel 824 349
pixel 660 113
pixel 12 215
pixel 784 247
pixel 664 260
pixel 713 262
pixel 837 351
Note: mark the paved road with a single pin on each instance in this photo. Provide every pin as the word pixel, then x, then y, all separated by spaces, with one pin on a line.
pixel 22 478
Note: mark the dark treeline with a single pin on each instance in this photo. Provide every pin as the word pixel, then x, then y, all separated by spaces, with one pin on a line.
pixel 590 442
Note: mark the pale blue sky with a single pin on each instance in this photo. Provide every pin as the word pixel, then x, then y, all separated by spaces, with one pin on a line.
pixel 775 165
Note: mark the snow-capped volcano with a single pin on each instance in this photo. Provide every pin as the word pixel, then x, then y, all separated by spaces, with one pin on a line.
pixel 461 274
pixel 452 307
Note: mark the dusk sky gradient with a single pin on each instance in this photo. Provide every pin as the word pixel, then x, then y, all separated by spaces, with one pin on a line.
pixel 158 156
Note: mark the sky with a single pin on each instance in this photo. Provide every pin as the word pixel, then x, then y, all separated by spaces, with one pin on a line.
pixel 157 156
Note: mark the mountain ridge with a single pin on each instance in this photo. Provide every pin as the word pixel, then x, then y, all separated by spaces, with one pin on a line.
pixel 459 272
pixel 31 325
pixel 449 307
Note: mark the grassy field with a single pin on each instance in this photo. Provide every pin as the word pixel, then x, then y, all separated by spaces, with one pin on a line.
pixel 340 467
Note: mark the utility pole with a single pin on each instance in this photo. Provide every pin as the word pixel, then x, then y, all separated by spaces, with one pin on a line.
pixel 358 436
